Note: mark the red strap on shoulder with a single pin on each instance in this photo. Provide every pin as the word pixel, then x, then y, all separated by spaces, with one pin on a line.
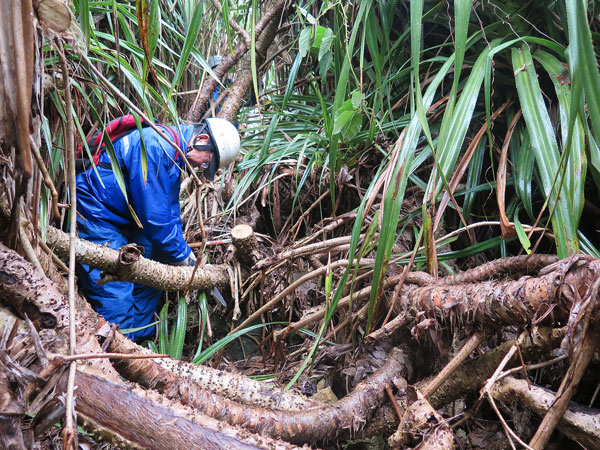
pixel 174 137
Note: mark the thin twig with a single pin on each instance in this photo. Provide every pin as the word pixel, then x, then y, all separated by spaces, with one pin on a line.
pixel 69 432
pixel 390 395
pixel 45 176
pixel 243 33
pixel 541 365
pixel 287 291
pixel 29 251
pixel 509 432
pixel 469 347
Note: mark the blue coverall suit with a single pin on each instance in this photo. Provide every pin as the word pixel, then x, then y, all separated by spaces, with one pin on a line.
pixel 107 220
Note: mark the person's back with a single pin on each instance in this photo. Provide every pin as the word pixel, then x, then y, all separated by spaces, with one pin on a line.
pixel 106 216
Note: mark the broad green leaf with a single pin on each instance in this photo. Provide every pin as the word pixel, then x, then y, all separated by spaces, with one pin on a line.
pixel 304 41
pixel 342 120
pixel 326 40
pixel 320 31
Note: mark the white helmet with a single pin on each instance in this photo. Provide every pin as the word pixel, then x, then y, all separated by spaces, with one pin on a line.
pixel 227 141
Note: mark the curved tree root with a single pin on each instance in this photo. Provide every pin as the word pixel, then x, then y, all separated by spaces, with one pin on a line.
pixel 309 425
pixel 161 374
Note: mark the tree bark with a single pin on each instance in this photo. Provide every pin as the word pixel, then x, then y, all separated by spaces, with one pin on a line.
pixel 272 15
pixel 527 300
pixel 578 423
pixel 162 374
pixel 310 425
pixel 244 80
pixel 146 420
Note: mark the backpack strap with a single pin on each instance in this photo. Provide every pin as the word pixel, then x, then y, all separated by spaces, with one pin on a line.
pixel 115 130
pixel 174 137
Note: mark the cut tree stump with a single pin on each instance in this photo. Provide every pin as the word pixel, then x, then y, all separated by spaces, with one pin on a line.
pixel 245 244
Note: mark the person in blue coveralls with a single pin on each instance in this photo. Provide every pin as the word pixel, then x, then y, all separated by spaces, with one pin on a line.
pixel 213 62
pixel 104 216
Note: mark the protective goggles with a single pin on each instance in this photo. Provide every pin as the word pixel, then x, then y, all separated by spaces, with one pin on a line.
pixel 203 128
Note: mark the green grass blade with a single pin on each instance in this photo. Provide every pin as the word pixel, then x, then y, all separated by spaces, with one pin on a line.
pixel 163 329
pixel 177 338
pixel 203 304
pixel 213 349
pixel 544 144
pixel 583 59
pixel 572 136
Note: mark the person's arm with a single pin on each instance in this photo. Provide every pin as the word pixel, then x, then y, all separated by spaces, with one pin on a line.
pixel 156 200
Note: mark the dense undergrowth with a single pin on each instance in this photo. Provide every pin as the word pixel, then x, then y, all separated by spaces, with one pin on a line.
pixel 431 133
pixel 416 120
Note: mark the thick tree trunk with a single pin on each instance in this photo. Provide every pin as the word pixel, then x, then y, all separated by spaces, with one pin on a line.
pixel 272 15
pixel 146 420
pixel 310 425
pixel 244 81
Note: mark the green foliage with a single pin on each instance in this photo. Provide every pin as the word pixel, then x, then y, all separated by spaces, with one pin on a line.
pixel 390 92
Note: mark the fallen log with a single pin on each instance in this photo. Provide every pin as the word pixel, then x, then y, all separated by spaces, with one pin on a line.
pixel 129 265
pixel 317 424
pixel 142 419
pixel 26 290
pixel 122 411
pixel 578 423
